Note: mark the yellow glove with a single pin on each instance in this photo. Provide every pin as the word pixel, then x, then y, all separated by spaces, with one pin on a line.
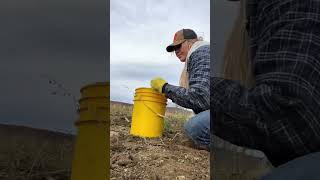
pixel 157 84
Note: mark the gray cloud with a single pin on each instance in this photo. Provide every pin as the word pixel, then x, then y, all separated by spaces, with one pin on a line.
pixel 140 31
pixel 73 28
pixel 67 40
pixel 145 72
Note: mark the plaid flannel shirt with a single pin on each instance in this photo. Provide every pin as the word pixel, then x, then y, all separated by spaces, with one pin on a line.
pixel 281 114
pixel 197 97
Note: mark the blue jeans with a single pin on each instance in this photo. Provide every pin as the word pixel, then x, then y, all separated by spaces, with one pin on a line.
pixel 303 168
pixel 198 128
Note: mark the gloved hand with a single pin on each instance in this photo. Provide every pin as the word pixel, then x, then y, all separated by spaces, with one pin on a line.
pixel 157 84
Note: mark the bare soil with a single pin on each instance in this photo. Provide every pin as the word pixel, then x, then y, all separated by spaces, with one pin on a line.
pixel 168 157
pixel 34 154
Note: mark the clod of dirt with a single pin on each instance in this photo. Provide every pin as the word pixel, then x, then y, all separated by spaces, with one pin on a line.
pixel 117 147
pixel 124 162
pixel 180 178
pixel 156 177
pixel 114 137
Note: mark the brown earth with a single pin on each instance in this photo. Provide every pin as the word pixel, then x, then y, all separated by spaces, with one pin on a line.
pixel 34 154
pixel 168 157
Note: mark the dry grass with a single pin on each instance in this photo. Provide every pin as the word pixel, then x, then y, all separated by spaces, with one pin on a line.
pixel 30 155
pixel 121 109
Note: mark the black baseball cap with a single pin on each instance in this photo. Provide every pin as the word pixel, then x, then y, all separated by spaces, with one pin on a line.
pixel 180 36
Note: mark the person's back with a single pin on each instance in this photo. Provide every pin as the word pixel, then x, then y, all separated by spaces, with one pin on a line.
pixel 280 114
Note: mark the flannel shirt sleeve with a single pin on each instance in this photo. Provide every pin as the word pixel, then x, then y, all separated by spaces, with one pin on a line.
pixel 197 97
pixel 281 113
pixel 238 112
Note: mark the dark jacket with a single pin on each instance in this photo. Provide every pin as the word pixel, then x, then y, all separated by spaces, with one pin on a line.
pixel 197 97
pixel 281 114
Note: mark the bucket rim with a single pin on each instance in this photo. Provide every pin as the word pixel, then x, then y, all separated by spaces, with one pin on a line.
pixel 96 84
pixel 151 101
pixel 151 95
pixel 144 88
pixel 150 90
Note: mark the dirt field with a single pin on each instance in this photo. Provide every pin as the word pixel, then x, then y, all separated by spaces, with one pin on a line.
pixel 34 154
pixel 169 157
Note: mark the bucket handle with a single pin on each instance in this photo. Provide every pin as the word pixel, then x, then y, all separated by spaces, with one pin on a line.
pixel 152 109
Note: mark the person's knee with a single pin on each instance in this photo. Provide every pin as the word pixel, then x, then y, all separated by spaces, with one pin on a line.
pixel 189 127
pixel 196 125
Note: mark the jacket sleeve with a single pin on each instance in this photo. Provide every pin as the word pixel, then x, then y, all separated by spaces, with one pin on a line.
pixel 239 114
pixel 281 113
pixel 197 97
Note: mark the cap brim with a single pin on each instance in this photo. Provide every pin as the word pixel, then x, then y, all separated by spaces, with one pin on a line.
pixel 170 48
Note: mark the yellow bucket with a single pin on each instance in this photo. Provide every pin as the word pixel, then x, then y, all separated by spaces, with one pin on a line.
pixel 91 155
pixel 94 108
pixel 149 92
pixel 148 111
pixel 96 90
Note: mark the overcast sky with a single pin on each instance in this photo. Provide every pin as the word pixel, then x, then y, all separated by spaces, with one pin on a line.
pixel 65 40
pixel 140 30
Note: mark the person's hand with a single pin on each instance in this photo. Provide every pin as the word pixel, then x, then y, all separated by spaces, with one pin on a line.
pixel 157 84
